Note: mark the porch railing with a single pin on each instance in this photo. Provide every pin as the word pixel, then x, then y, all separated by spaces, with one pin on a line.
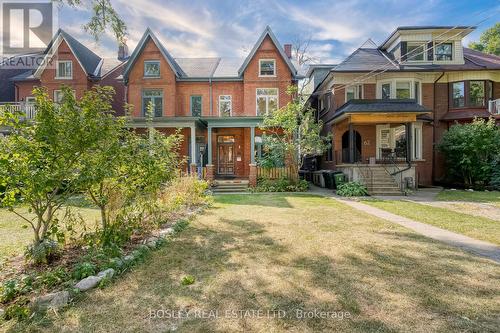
pixel 494 106
pixel 276 173
pixel 29 110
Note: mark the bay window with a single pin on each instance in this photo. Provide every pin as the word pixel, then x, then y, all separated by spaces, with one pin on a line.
pixel 399 89
pixel 386 91
pixel 267 101
pixel 470 94
pixel 354 92
pixel 403 89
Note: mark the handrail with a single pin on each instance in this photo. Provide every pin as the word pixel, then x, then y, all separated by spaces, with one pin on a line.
pixel 364 175
pixel 392 159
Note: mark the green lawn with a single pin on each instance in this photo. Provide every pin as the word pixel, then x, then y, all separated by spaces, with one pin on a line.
pixel 476 196
pixel 283 252
pixel 15 233
pixel 473 226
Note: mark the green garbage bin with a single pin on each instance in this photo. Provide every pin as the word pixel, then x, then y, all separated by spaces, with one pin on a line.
pixel 328 177
pixel 339 178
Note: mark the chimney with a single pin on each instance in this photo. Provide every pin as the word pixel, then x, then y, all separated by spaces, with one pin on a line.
pixel 122 51
pixel 288 50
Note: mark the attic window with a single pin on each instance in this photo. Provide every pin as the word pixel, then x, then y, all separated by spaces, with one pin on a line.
pixel 152 68
pixel 415 51
pixel 267 67
pixel 64 69
pixel 444 51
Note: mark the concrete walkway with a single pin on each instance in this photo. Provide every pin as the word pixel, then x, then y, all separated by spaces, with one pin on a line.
pixel 468 244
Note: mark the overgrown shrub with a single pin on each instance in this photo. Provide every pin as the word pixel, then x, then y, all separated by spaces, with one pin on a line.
pixel 470 149
pixel 495 174
pixel 183 191
pixel 281 185
pixel 352 189
pixel 43 252
pixel 83 270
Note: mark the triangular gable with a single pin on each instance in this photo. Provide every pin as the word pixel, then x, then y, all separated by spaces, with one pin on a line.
pixel 140 46
pixel 267 32
pixel 88 60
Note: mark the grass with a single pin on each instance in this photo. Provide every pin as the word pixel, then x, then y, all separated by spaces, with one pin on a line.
pixel 476 196
pixel 473 226
pixel 285 252
pixel 15 233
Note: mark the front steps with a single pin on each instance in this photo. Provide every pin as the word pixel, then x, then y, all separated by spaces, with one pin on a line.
pixel 230 186
pixel 382 183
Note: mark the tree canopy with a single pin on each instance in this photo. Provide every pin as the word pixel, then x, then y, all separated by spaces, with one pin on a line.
pixel 489 42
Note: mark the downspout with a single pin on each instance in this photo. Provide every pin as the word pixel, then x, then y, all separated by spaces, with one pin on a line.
pixel 210 98
pixel 434 129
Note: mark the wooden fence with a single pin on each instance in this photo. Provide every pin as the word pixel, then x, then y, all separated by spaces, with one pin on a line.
pixel 276 173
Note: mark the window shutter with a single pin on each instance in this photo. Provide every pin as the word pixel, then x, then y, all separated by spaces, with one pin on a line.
pixel 404 50
pixel 430 51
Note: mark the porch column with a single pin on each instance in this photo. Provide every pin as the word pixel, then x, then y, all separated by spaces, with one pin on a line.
pixel 193 149
pixel 409 141
pixel 209 143
pixel 351 143
pixel 252 145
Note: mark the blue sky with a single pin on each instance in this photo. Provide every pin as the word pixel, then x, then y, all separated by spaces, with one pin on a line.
pixel 199 28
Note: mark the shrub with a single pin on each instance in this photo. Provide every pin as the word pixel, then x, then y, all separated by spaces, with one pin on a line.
pixel 187 280
pixel 281 185
pixel 183 191
pixel 8 291
pixel 43 252
pixel 495 173
pixel 83 270
pixel 352 189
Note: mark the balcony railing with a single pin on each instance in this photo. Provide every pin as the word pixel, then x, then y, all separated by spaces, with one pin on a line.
pixel 28 110
pixel 494 106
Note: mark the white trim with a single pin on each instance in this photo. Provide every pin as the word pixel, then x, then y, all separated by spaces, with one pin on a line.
pixel 355 86
pixel 230 105
pixel 58 76
pixel 418 140
pixel 144 68
pixel 393 82
pixel 267 100
pixel 275 69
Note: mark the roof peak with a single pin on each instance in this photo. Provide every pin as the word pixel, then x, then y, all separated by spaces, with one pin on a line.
pixel 368 44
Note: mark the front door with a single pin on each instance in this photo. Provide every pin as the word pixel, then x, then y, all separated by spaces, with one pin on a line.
pixel 225 155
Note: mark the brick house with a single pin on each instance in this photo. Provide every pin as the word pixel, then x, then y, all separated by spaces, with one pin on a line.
pixel 68 62
pixel 218 103
pixel 388 106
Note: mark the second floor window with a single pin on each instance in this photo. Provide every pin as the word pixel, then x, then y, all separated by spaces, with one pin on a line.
pixel 225 105
pixel 354 92
pixel 196 106
pixel 58 96
pixel 415 51
pixel 386 91
pixel 151 68
pixel 476 93
pixel 458 94
pixel 267 101
pixel 444 51
pixel 403 89
pixel 470 93
pixel 267 67
pixel 64 69
pixel 155 99
pixel 399 89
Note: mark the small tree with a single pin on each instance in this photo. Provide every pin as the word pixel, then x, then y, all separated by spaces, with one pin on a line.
pixel 470 150
pixel 40 163
pixel 292 133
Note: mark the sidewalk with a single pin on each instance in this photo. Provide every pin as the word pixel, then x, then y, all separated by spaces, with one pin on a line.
pixel 468 244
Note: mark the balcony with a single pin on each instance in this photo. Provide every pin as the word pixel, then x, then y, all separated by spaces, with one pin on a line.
pixel 27 109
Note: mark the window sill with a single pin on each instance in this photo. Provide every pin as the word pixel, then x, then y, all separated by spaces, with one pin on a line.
pixel 63 78
pixel 151 77
pixel 263 76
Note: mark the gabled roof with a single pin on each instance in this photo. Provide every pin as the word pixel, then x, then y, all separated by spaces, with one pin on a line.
pixel 267 32
pixel 148 34
pixel 365 59
pixel 88 60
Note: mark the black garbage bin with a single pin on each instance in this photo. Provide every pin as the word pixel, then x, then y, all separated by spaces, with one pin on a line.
pixel 328 177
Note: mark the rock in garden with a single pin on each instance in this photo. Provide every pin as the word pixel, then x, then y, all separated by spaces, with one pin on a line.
pixel 128 258
pixel 108 273
pixel 54 300
pixel 88 283
pixel 166 232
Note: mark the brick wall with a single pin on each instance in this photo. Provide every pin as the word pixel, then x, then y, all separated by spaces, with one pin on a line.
pixel 440 109
pixel 112 80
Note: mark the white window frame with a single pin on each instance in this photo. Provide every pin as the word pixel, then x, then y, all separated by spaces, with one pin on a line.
pixel 230 105
pixel 416 127
pixel 442 43
pixel 58 75
pixel 159 69
pixel 393 83
pixel 267 100
pixel 422 44
pixel 30 100
pixel 417 154
pixel 356 91
pixel 57 91
pixel 265 75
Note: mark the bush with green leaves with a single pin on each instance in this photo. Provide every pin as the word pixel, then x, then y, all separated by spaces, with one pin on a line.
pixel 281 185
pixel 42 252
pixel 470 150
pixel 495 174
pixel 352 189
pixel 83 270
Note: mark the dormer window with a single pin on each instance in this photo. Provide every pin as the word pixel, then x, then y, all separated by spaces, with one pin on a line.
pixel 415 51
pixel 151 68
pixel 267 67
pixel 444 51
pixel 64 69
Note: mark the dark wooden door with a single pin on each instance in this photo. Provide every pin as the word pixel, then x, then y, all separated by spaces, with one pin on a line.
pixel 225 156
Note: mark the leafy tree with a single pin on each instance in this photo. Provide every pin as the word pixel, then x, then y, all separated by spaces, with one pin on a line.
pixel 470 150
pixel 104 16
pixel 489 42
pixel 41 163
pixel 292 133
